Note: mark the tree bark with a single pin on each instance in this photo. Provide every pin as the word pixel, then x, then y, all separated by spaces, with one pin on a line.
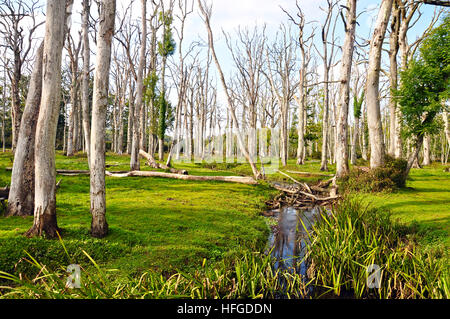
pixel 377 149
pixel 134 161
pixel 342 167
pixel 426 150
pixel 394 123
pixel 353 156
pixel 45 184
pixel 151 161
pixel 446 124
pixel 99 226
pixel 130 129
pixel 85 80
pixel 413 155
pixel 206 15
pixel 21 194
pixel 73 127
pixel 16 112
pixel 231 179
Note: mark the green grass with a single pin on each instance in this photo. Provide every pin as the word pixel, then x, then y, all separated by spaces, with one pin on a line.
pixel 155 223
pixel 424 203
pixel 353 236
pixel 163 231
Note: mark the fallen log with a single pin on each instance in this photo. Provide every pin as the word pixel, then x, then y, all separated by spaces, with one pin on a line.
pixel 151 162
pixel 319 189
pixel 325 183
pixel 296 181
pixel 290 189
pixel 319 198
pixel 231 179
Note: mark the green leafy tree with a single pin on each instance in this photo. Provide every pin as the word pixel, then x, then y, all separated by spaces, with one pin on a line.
pixel 424 87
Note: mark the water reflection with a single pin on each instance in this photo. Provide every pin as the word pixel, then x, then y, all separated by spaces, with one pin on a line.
pixel 289 241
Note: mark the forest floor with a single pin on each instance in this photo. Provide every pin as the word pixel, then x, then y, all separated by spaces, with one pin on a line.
pixel 173 225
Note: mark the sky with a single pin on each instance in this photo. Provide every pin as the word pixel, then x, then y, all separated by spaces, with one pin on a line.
pixel 228 15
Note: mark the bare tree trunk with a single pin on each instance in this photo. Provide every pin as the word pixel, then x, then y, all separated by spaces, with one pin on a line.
pixel 206 15
pixel 134 161
pixel 394 128
pixel 323 162
pixel 21 193
pixel 353 156
pixel 85 80
pixel 412 158
pixel 426 150
pixel 300 127
pixel 99 226
pixel 363 134
pixel 73 127
pixel 446 124
pixel 130 117
pixel 120 115
pixel 16 112
pixel 377 151
pixel 342 167
pixel 45 184
pixel 4 109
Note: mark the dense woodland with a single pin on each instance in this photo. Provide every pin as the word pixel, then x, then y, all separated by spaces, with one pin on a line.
pixel 128 80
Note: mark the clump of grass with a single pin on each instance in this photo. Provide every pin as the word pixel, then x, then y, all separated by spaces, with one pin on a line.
pixel 248 275
pixel 353 236
pixel 14 253
pixel 382 179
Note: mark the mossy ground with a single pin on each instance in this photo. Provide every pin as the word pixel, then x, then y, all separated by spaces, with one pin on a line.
pixel 155 223
pixel 424 203
pixel 169 225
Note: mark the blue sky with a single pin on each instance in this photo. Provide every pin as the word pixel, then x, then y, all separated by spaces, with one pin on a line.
pixel 228 15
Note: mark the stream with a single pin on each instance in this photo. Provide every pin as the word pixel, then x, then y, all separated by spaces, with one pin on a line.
pixel 288 240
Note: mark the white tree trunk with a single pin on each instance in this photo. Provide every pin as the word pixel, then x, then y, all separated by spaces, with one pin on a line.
pixel 21 193
pixel 45 184
pixel 134 161
pixel 377 151
pixel 426 150
pixel 99 226
pixel 353 156
pixel 342 167
pixel 85 80
pixel 446 124
pixel 326 93
pixel 206 15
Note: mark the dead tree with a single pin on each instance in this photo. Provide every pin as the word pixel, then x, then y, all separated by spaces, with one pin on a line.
pixel 372 99
pixel 14 15
pixel 248 57
pixel 185 9
pixel 342 167
pixel 85 79
pixel 281 62
pixel 327 60
pixel 21 194
pixel 73 53
pixel 99 226
pixel 206 14
pixel 305 52
pixel 56 26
